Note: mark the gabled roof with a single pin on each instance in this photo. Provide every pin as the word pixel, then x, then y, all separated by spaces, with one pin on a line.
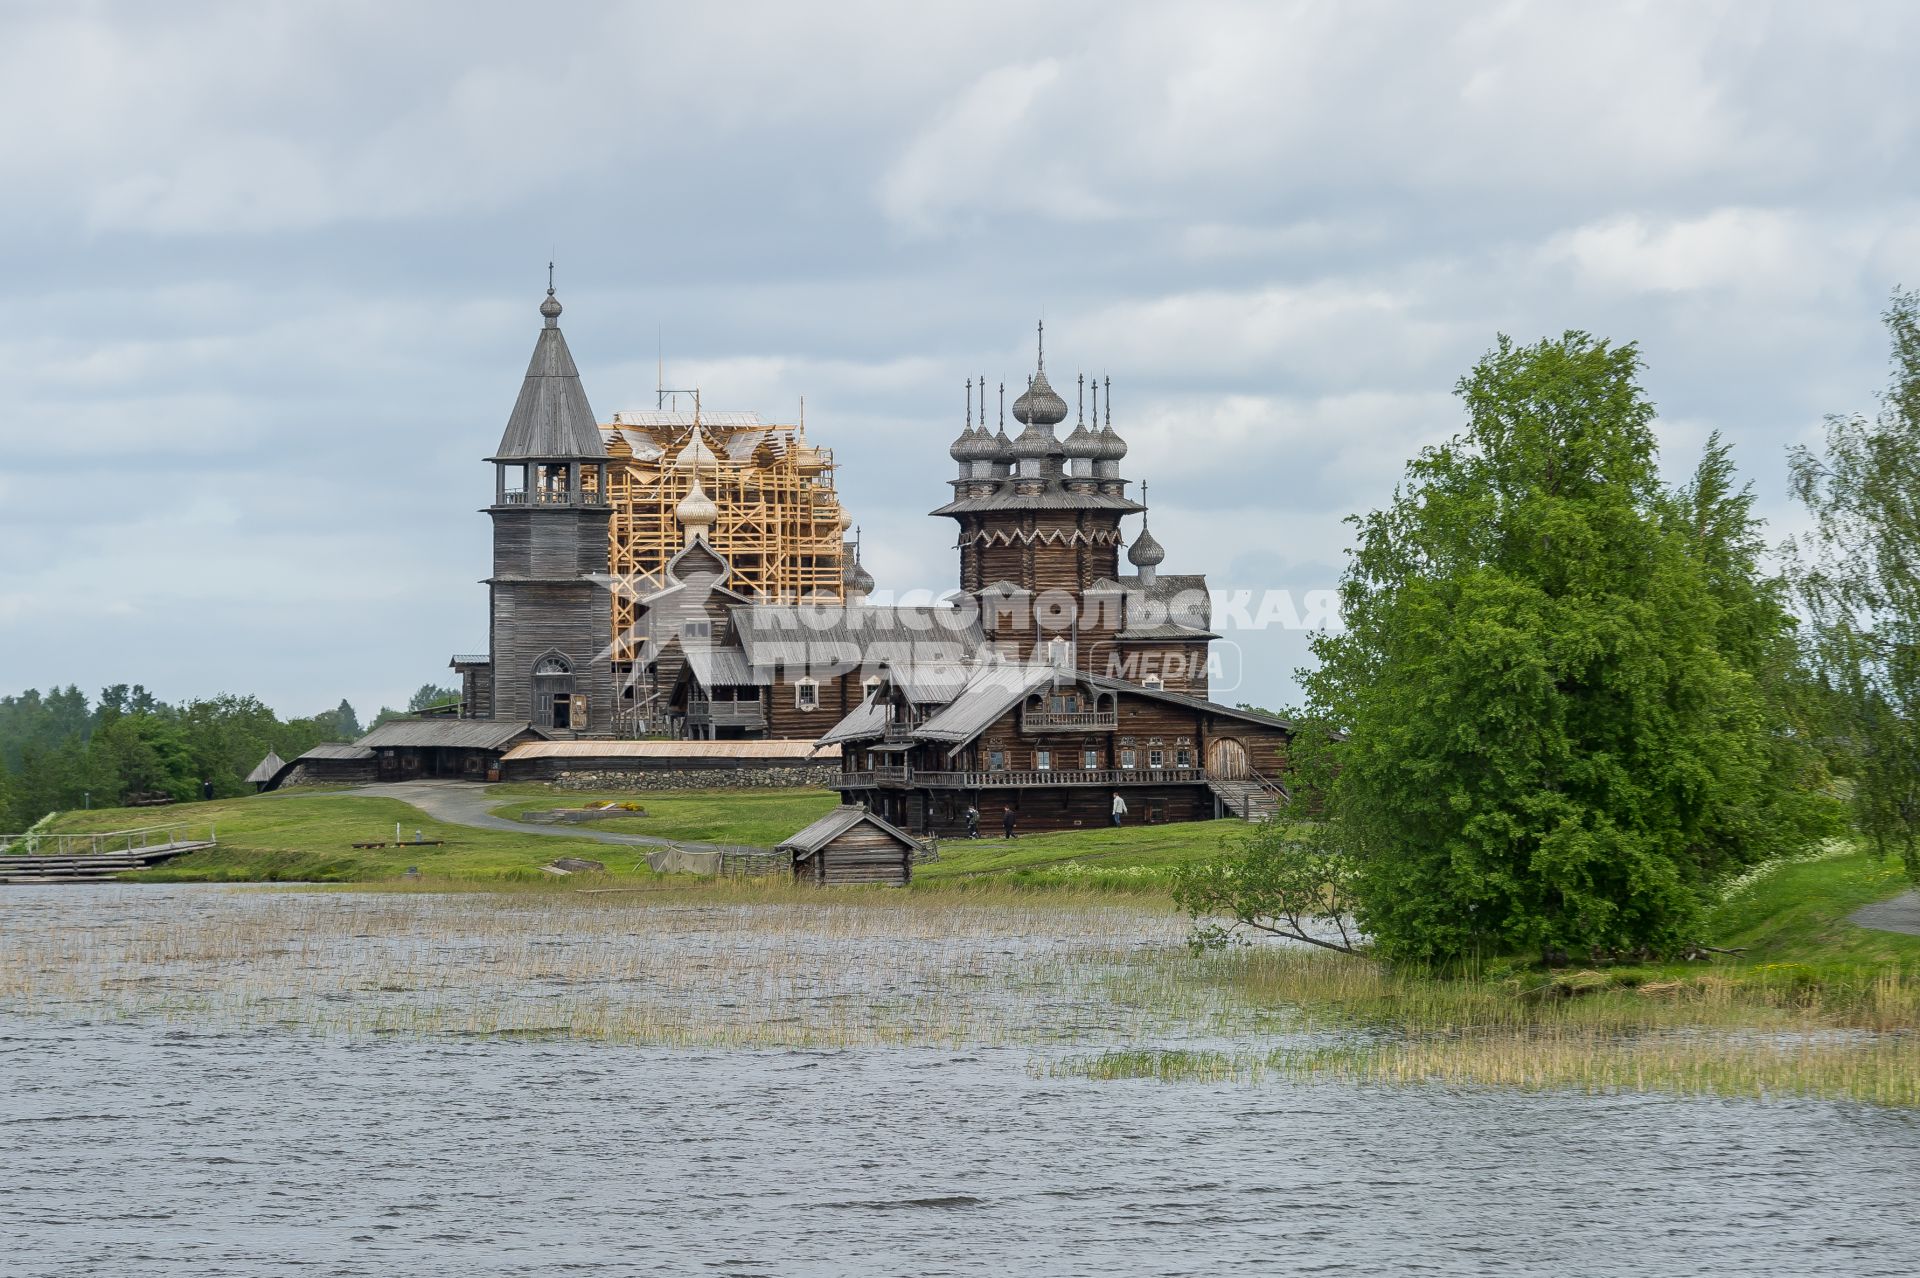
pixel 721 667
pixel 932 682
pixel 267 769
pixel 774 748
pixel 856 635
pixel 551 419
pixel 336 750
pixel 991 690
pixel 1171 606
pixel 1260 717
pixel 836 823
pixel 863 723
pixel 455 734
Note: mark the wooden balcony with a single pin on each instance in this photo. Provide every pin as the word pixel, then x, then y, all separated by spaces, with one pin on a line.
pixel 726 714
pixel 899 733
pixel 550 497
pixel 1018 778
pixel 1068 721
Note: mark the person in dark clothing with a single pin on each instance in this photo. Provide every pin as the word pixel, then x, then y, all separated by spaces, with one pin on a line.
pixel 206 788
pixel 973 822
pixel 1006 822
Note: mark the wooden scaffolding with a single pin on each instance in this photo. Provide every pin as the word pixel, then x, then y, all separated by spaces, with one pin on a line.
pixel 781 525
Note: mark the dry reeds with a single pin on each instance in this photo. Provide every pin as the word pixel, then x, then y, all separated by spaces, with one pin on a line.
pixel 1090 986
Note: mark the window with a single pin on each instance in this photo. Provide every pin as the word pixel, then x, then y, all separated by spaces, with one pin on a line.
pixel 1043 759
pixel 1064 703
pixel 996 760
pixel 1183 757
pixel 702 629
pixel 1090 759
pixel 1153 681
pixel 806 694
pixel 1059 653
pixel 1156 759
pixel 552 666
pixel 870 682
pixel 1127 758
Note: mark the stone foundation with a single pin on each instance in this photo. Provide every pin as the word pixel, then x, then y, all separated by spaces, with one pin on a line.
pixel 792 776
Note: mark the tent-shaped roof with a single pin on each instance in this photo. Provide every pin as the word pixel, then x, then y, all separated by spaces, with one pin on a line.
pixel 266 769
pixel 552 419
pixel 838 822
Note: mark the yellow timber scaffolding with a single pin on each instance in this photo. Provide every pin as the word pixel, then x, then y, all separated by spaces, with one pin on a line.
pixel 781 524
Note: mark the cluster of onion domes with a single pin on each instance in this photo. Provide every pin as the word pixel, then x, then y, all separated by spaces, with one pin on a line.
pixel 1038 409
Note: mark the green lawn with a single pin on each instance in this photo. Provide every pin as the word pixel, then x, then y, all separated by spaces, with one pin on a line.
pixel 1798 912
pixel 1135 857
pixel 758 818
pixel 310 837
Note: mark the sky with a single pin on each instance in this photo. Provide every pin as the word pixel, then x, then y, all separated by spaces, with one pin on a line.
pixel 269 273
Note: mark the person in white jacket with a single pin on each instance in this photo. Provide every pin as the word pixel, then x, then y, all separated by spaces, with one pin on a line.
pixel 1119 809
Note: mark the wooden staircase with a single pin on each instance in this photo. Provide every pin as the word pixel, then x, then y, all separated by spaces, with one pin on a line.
pixel 95 858
pixel 1252 797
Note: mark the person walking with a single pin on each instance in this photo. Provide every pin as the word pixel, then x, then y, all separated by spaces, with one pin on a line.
pixel 973 822
pixel 1006 822
pixel 1119 809
pixel 206 788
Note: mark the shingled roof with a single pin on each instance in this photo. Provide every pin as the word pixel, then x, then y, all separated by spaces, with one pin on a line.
pixel 552 419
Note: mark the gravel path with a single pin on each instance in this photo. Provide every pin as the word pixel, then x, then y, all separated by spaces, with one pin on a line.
pixel 1901 914
pixel 465 803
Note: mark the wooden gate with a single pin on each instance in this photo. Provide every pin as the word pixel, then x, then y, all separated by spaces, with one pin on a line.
pixel 1227 759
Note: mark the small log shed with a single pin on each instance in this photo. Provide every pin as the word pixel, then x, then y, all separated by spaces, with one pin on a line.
pixel 851 846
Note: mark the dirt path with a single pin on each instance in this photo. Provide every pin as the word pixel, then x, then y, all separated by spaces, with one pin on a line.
pixel 1901 914
pixel 465 803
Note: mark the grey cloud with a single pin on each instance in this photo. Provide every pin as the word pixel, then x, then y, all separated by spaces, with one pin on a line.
pixel 269 290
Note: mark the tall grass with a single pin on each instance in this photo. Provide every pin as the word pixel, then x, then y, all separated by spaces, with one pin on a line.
pixel 1085 983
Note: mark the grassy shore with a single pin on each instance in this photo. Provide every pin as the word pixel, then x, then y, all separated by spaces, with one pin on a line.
pixel 757 818
pixel 1811 1005
pixel 309 838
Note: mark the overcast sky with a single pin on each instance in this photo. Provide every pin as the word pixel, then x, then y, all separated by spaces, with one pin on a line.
pixel 270 272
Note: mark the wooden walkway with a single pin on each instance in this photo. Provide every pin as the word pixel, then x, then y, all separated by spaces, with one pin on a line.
pixel 96 858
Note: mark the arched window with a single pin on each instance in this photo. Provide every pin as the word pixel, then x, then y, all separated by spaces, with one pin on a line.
pixel 553 692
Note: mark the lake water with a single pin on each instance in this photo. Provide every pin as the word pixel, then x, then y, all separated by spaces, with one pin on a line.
pixel 154 1120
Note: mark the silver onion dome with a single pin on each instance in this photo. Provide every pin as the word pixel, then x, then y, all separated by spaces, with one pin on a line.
pixel 974 444
pixel 1082 442
pixel 1040 405
pixel 1145 552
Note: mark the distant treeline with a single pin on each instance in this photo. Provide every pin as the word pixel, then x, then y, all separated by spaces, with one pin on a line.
pixel 58 751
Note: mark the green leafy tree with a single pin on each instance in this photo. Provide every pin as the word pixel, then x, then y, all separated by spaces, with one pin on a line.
pixel 346 724
pixel 1556 732
pixel 1291 877
pixel 430 695
pixel 1857 574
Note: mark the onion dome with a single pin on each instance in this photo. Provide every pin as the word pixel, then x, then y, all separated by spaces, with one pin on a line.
pixel 696 453
pixel 1002 446
pixel 550 309
pixel 1082 442
pixel 1035 441
pixel 856 579
pixel 1145 552
pixel 846 519
pixel 1112 447
pixel 974 444
pixel 696 508
pixel 1041 405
